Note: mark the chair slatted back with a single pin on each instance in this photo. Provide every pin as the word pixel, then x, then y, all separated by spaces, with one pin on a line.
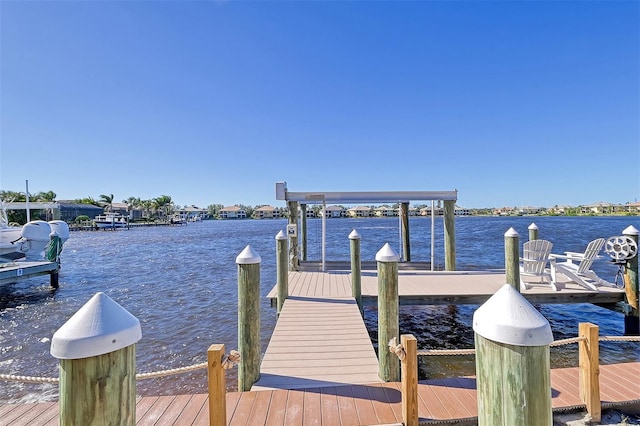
pixel 535 255
pixel 590 254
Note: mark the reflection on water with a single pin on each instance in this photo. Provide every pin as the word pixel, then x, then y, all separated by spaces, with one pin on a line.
pixel 181 283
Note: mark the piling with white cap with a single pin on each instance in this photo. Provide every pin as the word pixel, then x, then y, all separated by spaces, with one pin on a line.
pixel 512 258
pixel 282 270
pixel 248 318
pixel 512 361
pixel 533 231
pixel 96 349
pixel 356 268
pixel 388 321
pixel 631 318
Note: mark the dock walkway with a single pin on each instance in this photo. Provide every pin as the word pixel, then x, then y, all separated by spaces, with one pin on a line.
pixel 318 341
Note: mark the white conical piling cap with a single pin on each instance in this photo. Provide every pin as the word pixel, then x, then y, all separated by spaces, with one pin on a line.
pixel 248 257
pixel 532 227
pixel 511 233
pixel 101 326
pixel 281 235
pixel 386 254
pixel 354 235
pixel 507 317
pixel 630 230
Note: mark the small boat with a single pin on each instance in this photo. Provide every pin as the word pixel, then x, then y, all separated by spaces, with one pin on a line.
pixel 111 220
pixel 30 240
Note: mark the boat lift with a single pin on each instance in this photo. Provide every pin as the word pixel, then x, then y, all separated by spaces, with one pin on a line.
pixel 364 197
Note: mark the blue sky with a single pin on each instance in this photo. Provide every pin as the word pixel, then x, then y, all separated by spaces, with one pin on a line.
pixel 510 102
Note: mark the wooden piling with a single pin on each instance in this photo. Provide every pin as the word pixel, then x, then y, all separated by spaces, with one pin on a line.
pixel 54 277
pixel 303 232
pixel 406 241
pixel 589 369
pixel 449 235
pixel 512 258
pixel 356 268
pixel 282 279
pixel 632 317
pixel 512 361
pixel 294 259
pixel 388 321
pixel 217 386
pixel 533 232
pixel 409 385
pixel 97 364
pixel 248 318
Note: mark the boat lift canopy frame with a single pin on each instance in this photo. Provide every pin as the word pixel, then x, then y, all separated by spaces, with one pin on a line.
pixel 361 197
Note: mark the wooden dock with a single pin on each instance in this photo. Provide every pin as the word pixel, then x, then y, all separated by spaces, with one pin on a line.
pixel 17 271
pixel 318 341
pixel 419 287
pixel 450 400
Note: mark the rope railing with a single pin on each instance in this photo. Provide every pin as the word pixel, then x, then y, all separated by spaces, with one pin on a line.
pixel 563 342
pixel 229 361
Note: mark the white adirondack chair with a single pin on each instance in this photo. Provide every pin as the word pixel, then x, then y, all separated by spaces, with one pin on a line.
pixel 533 263
pixel 577 266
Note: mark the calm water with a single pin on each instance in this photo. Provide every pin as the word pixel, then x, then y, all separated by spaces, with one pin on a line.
pixel 181 283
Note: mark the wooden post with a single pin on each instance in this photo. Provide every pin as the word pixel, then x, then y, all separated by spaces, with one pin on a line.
pixel 512 258
pixel 512 361
pixel 96 349
pixel 294 260
pixel 388 321
pixel 303 232
pixel 248 318
pixel 409 380
pixel 533 232
pixel 406 242
pixel 356 268
pixel 631 318
pixel 54 277
pixel 282 282
pixel 589 360
pixel 449 235
pixel 217 386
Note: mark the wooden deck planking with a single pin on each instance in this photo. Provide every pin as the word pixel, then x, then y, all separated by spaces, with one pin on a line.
pixel 318 341
pixel 441 287
pixel 439 400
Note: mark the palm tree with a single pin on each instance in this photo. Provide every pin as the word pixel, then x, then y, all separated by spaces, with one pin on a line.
pixel 164 204
pixel 45 196
pixel 108 200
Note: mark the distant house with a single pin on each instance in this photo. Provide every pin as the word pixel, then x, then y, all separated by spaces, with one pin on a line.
pixel 121 208
pixel 461 211
pixel 597 208
pixel 267 212
pixel 334 211
pixel 386 211
pixel 360 211
pixel 193 213
pixel 70 210
pixel 426 211
pixel 232 212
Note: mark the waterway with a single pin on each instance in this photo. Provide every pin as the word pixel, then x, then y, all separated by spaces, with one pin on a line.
pixel 181 283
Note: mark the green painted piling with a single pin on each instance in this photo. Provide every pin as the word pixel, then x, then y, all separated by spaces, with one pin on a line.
pixel 388 321
pixel 248 318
